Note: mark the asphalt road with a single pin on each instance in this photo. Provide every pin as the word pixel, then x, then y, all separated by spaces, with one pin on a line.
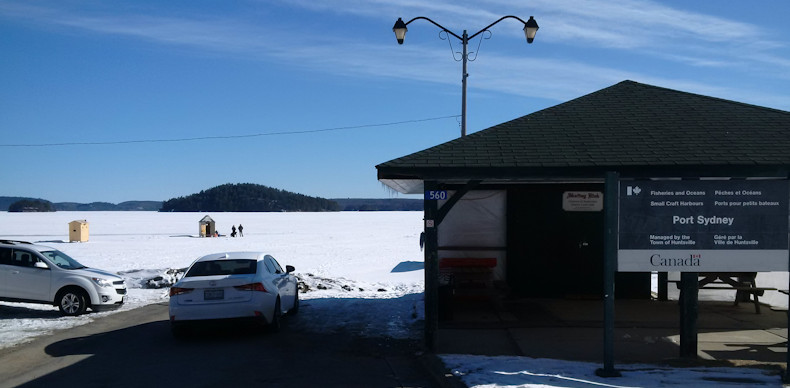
pixel 136 349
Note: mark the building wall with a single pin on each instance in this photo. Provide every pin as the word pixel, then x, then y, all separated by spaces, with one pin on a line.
pixel 553 252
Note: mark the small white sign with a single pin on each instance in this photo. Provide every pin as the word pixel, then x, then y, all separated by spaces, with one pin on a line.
pixel 582 201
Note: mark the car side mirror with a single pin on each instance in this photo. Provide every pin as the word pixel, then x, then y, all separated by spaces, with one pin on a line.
pixel 289 268
pixel 40 264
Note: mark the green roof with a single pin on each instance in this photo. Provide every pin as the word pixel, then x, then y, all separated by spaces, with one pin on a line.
pixel 629 127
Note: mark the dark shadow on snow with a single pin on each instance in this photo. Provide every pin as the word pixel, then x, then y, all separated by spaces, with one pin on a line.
pixel 408 266
pixel 19 312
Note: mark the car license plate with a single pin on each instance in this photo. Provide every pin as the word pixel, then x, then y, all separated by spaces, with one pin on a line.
pixel 213 294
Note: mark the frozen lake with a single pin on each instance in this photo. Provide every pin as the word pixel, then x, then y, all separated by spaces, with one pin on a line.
pixel 341 256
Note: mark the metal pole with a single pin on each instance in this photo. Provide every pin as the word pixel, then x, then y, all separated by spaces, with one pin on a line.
pixel 610 197
pixel 464 40
pixel 400 30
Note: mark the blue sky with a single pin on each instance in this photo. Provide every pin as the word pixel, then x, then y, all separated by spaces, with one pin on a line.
pixel 150 100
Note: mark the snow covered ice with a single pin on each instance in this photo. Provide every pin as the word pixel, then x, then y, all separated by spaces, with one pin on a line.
pixel 342 258
pixel 362 272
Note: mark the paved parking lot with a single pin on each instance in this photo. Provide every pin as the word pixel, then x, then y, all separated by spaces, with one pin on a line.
pixel 135 348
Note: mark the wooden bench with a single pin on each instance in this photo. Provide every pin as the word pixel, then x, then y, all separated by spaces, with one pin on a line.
pixel 742 282
pixel 467 262
pixel 467 272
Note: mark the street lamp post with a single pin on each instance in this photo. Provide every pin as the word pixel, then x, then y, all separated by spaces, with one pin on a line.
pixel 530 29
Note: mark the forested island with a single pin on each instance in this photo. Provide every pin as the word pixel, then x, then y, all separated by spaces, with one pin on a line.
pixel 248 197
pixel 31 205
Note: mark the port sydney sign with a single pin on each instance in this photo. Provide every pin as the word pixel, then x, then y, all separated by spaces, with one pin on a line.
pixel 703 225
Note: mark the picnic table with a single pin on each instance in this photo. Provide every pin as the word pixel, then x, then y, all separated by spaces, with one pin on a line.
pixel 743 283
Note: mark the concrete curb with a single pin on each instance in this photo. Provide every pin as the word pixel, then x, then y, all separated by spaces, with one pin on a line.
pixel 435 368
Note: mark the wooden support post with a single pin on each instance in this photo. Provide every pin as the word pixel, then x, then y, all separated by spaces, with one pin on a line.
pixel 663 286
pixel 786 377
pixel 431 268
pixel 689 306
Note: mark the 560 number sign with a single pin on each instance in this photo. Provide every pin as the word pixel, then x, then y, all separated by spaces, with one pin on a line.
pixel 435 195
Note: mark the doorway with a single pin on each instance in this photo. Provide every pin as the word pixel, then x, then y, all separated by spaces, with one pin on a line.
pixel 556 253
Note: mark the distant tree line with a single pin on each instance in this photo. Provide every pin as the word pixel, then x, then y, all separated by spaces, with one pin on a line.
pixel 248 197
pixel 31 205
pixel 106 206
pixel 390 204
pixel 344 204
pixel 7 202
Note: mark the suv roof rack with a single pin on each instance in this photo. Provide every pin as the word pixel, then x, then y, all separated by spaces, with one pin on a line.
pixel 14 242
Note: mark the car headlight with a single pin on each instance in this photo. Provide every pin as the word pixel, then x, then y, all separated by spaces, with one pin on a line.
pixel 102 282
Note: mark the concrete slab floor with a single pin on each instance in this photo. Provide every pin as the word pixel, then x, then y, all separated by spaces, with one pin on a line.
pixel 645 331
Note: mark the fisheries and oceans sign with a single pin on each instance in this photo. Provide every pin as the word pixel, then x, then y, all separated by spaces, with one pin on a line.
pixel 703 226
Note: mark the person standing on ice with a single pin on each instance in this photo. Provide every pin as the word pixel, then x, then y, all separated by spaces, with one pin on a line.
pixel 241 234
pixel 233 231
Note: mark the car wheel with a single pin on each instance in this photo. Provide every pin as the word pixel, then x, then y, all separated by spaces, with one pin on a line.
pixel 72 302
pixel 275 324
pixel 295 309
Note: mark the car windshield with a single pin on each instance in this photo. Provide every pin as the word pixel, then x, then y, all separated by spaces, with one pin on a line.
pixel 62 260
pixel 222 267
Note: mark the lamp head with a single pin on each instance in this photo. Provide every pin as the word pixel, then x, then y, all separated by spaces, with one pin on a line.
pixel 400 30
pixel 530 29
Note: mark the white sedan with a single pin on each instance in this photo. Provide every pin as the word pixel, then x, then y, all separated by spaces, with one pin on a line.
pixel 234 285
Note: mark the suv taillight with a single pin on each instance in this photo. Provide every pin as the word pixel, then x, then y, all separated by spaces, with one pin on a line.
pixel 251 287
pixel 178 291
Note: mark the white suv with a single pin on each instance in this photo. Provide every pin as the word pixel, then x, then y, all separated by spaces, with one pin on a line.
pixel 38 274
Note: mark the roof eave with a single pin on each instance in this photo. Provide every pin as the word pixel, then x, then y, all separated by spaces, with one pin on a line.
pixel 408 180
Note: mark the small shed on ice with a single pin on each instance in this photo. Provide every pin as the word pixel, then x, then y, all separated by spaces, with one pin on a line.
pixel 78 231
pixel 207 227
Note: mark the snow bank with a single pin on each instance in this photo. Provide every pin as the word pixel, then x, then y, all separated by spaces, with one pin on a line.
pixel 482 371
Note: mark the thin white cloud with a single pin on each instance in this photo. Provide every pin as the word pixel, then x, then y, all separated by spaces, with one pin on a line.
pixel 623 23
pixel 443 12
pixel 637 27
pixel 626 22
